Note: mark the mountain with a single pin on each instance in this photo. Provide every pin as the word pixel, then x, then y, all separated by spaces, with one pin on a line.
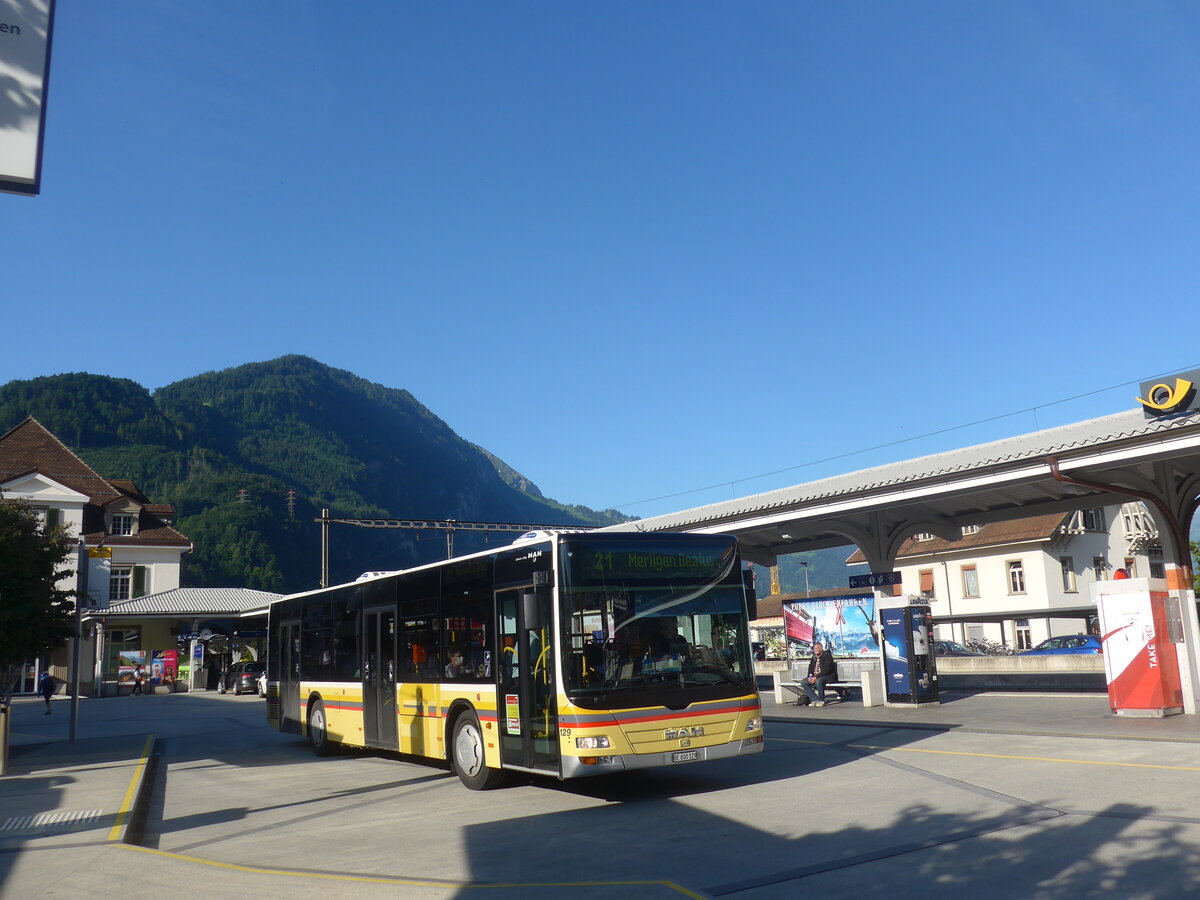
pixel 250 455
pixel 825 569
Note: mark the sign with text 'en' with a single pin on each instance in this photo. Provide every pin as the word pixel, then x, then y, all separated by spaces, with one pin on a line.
pixel 25 29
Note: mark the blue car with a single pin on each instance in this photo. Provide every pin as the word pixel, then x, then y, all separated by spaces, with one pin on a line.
pixel 1067 643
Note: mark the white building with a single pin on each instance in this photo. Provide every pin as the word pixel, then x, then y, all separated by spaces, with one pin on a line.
pixel 1017 575
pixel 131 548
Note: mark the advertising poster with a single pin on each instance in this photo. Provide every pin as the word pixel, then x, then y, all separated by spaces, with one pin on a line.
pixel 845 625
pixel 127 663
pixel 895 645
pixel 164 666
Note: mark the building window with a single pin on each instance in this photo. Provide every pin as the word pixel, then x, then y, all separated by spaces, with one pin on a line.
pixel 126 583
pixel 48 517
pixel 970 581
pixel 1086 520
pixel 1158 570
pixel 926 576
pixel 1016 577
pixel 1099 567
pixel 120 583
pixel 1131 567
pixel 117 640
pixel 1068 574
pixel 122 523
pixel 1024 635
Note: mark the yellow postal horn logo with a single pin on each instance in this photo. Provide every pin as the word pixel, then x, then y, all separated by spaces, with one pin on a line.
pixel 1164 398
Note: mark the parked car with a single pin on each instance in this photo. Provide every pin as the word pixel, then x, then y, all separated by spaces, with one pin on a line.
pixel 758 650
pixel 953 648
pixel 241 677
pixel 262 684
pixel 1067 643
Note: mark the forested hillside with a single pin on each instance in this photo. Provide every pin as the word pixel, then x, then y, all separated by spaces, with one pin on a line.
pixel 227 448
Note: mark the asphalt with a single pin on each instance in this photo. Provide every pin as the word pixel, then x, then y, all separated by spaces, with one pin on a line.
pixel 72 814
pixel 1050 715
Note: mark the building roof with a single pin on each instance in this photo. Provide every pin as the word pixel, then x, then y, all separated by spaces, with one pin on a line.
pixel 1034 528
pixel 992 482
pixel 771 606
pixel 1126 425
pixel 31 447
pixel 192 602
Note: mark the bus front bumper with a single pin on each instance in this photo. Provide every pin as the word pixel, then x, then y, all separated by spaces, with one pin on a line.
pixel 575 767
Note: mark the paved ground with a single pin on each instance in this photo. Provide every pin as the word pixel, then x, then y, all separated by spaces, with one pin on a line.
pixel 984 796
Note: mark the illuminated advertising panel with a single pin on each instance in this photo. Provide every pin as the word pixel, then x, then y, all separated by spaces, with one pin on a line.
pixel 844 625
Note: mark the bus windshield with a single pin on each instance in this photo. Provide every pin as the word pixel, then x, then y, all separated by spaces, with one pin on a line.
pixel 660 621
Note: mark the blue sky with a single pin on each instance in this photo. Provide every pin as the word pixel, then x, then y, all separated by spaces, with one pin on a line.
pixel 637 250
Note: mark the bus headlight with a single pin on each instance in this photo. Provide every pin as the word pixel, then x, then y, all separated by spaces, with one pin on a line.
pixel 754 724
pixel 592 743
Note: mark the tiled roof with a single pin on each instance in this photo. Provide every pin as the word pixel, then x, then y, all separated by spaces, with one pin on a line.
pixel 161 535
pixel 1030 529
pixel 192 602
pixel 31 447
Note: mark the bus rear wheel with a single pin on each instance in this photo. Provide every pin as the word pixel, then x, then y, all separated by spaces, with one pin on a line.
pixel 318 730
pixel 467 755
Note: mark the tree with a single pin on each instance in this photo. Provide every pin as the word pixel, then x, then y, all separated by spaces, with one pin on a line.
pixel 35 613
pixel 1196 567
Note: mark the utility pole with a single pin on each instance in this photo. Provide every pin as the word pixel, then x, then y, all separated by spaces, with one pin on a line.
pixel 81 595
pixel 324 520
pixel 805 565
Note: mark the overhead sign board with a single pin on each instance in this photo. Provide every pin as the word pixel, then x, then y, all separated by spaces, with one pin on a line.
pixel 25 30
pixel 875 579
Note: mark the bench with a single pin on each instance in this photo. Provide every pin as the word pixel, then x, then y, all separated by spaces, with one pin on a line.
pixel 865 671
pixel 838 687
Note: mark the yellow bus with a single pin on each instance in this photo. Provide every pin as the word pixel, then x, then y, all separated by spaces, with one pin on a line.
pixel 564 654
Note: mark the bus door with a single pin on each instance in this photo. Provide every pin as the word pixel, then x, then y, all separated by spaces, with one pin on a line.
pixel 289 675
pixel 526 707
pixel 379 677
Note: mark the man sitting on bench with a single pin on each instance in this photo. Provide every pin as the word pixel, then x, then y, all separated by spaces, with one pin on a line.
pixel 822 669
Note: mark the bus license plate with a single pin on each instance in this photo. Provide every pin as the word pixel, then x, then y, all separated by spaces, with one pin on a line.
pixel 685 756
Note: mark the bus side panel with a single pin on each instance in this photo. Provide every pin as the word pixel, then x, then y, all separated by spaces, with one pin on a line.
pixel 419 725
pixel 343 709
pixel 482 699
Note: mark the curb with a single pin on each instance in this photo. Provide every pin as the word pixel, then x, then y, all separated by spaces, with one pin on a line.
pixel 135 830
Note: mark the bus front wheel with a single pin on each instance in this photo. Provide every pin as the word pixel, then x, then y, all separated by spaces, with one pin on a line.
pixel 318 730
pixel 467 752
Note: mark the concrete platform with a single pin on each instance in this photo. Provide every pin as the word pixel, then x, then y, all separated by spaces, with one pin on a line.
pixel 985 795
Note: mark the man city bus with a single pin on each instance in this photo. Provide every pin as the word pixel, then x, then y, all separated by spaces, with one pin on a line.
pixel 566 654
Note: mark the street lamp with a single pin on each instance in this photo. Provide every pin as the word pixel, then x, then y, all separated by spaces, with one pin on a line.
pixel 805 579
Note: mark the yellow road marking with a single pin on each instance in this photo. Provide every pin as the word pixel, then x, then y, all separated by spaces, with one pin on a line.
pixel 1054 759
pixel 114 833
pixel 411 882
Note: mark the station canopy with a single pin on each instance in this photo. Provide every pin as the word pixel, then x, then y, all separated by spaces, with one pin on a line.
pixel 1034 474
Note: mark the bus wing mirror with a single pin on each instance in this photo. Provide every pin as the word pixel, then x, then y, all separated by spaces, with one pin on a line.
pixel 751 594
pixel 531 609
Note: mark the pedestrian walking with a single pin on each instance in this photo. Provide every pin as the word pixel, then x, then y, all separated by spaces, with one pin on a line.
pixel 47 687
pixel 139 679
